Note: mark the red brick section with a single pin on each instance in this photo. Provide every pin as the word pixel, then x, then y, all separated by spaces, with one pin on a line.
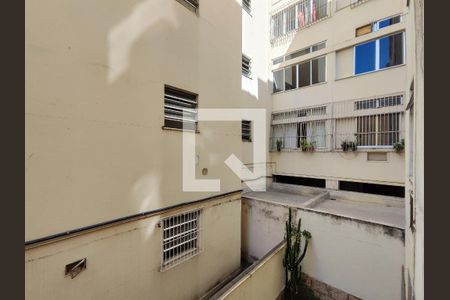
pixel 325 291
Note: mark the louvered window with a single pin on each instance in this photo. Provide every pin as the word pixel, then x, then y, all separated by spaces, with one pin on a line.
pixel 246 65
pixel 379 102
pixel 247 131
pixel 190 4
pixel 180 109
pixel 246 5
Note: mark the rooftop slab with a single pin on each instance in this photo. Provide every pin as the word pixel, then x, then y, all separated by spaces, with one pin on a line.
pixel 371 208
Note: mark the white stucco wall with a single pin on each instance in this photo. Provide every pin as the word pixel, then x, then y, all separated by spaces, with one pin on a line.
pixel 362 259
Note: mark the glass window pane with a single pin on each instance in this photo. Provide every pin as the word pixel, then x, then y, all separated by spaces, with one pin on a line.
pixel 391 51
pixel 318 70
pixel 388 22
pixel 277 60
pixel 304 77
pixel 318 46
pixel 290 78
pixel 320 10
pixel 365 57
pixel 290 18
pixel 278 81
pixel 297 54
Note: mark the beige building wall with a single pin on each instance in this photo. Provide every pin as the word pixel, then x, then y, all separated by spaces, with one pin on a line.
pixel 123 262
pixel 95 149
pixel 362 259
pixel 256 88
pixel 338 30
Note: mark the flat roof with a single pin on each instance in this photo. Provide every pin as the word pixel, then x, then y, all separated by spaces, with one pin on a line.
pixel 371 208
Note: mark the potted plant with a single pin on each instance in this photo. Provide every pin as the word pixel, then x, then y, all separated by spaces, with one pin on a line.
pixel 279 144
pixel 312 146
pixel 293 256
pixel 349 145
pixel 399 146
pixel 304 145
pixel 344 146
pixel 352 146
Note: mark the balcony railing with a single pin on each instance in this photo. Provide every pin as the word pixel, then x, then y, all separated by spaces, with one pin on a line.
pixel 297 16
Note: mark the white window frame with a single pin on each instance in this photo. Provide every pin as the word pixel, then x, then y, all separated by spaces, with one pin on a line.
pixel 377 54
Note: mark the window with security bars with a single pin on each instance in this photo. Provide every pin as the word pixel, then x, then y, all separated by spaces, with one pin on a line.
pixel 297 16
pixel 293 135
pixel 246 5
pixel 378 130
pixel 379 102
pixel 247 131
pixel 180 238
pixel 246 65
pixel 180 109
pixel 190 4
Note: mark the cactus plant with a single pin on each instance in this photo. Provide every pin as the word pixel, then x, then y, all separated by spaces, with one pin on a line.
pixel 293 256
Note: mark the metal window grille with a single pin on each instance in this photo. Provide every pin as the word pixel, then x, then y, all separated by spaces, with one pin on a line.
pixel 298 15
pixel 180 108
pixel 246 5
pixel 190 4
pixel 379 102
pixel 246 131
pixel 378 130
pixel 293 135
pixel 246 65
pixel 181 238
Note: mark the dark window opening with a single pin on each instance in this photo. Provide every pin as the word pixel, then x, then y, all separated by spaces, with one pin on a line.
pixel 190 4
pixel 246 5
pixel 370 188
pixel 247 131
pixel 246 65
pixel 306 181
pixel 290 78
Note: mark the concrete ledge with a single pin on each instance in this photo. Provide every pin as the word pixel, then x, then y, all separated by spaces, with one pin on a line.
pixel 317 200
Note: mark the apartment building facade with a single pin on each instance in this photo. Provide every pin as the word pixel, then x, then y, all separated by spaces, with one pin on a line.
pixel 107 84
pixel 339 77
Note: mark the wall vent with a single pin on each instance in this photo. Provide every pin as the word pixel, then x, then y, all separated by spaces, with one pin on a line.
pixel 307 181
pixel 371 188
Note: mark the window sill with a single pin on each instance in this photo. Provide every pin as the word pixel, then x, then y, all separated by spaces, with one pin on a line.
pixel 370 72
pixel 179 129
